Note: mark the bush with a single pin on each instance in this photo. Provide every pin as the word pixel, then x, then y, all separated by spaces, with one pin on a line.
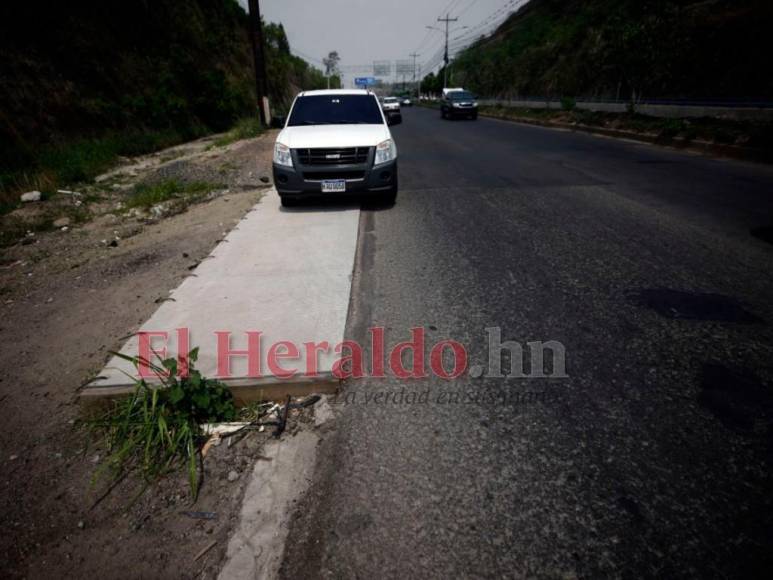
pixel 157 430
pixel 568 103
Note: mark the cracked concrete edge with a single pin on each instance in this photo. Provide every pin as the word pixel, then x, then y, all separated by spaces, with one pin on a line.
pixel 256 546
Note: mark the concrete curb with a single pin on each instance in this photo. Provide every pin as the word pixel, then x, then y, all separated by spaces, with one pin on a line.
pixel 256 546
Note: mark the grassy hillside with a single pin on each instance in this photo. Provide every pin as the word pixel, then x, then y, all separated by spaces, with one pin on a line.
pixel 84 82
pixel 625 49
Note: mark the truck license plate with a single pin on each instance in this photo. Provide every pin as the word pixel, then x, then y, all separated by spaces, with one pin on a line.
pixel 334 186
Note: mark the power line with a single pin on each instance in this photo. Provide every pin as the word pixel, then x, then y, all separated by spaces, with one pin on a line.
pixel 488 24
pixel 491 22
pixel 470 5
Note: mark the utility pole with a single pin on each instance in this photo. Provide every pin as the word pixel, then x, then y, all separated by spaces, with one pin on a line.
pixel 261 80
pixel 414 55
pixel 447 20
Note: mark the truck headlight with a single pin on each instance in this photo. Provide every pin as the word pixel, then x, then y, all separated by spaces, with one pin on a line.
pixel 475 105
pixel 385 152
pixel 282 155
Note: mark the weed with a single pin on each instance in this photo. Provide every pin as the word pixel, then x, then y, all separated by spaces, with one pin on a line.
pixel 670 128
pixel 12 230
pixel 158 429
pixel 568 103
pixel 74 162
pixel 148 195
pixel 246 128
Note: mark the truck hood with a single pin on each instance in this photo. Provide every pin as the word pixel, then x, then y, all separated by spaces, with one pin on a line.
pixel 333 136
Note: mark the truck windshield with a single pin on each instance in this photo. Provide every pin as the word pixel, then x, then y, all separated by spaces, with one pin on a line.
pixel 461 96
pixel 336 110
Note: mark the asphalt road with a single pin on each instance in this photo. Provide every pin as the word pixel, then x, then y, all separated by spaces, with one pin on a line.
pixel 651 459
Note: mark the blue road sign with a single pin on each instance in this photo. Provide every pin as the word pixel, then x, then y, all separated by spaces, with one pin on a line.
pixel 364 81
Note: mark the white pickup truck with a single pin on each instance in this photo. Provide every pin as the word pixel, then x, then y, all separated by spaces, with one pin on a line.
pixel 335 142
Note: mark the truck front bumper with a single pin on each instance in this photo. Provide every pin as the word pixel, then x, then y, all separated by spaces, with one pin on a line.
pixel 307 181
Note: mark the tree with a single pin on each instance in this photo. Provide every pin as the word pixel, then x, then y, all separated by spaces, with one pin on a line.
pixel 432 83
pixel 331 63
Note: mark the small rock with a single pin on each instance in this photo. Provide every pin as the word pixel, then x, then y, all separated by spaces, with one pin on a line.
pixel 14 457
pixel 64 228
pixel 158 210
pixel 50 300
pixel 81 525
pixel 232 476
pixel 31 196
pixel 61 222
pixel 264 179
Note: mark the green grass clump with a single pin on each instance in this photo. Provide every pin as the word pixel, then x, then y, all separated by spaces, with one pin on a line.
pixel 246 128
pixel 147 195
pixel 74 162
pixel 158 430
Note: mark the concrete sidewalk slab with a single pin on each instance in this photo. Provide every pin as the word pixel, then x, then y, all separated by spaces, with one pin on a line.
pixel 284 273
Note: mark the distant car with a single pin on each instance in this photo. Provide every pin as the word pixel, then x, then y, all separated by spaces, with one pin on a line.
pixel 335 141
pixel 391 108
pixel 459 103
pixel 406 102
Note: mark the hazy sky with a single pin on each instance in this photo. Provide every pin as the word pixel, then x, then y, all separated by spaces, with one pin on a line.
pixel 366 30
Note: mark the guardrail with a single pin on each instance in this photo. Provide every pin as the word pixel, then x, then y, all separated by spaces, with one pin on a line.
pixel 670 108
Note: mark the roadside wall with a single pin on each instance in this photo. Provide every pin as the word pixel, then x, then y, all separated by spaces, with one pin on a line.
pixel 737 112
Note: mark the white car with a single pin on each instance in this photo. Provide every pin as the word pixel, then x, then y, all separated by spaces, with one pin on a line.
pixel 335 141
pixel 391 108
pixel 390 104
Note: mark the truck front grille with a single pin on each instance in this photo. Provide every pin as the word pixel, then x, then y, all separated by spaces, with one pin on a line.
pixel 345 156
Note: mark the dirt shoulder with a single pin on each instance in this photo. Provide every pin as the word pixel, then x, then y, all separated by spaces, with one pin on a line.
pixel 70 295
